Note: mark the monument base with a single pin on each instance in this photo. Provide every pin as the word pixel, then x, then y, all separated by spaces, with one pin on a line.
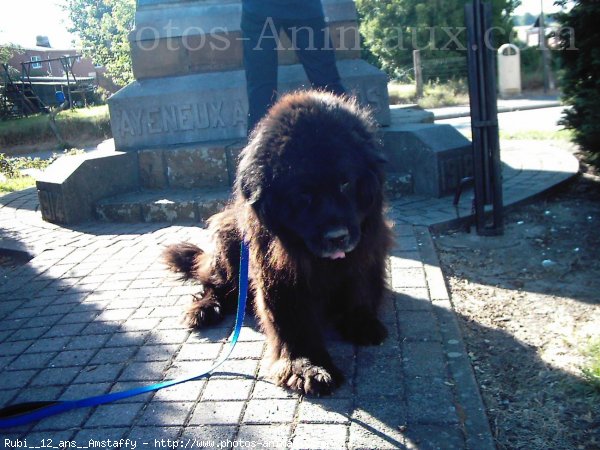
pixel 189 183
pixel 209 107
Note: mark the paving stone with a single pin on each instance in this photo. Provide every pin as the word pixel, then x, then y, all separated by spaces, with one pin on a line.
pixel 156 352
pixel 78 391
pixel 99 437
pixel 55 344
pixel 434 437
pixel 186 392
pixel 34 394
pixel 199 352
pixel 144 371
pixel 217 413
pixel 229 389
pixel 424 358
pixel 430 400
pixel 209 436
pixel 330 410
pixel 128 339
pixel 113 355
pixel 319 436
pixel 412 299
pixel 264 436
pixel 114 415
pixel 165 414
pixel 155 437
pixel 99 373
pixel 402 394
pixel 266 389
pixel 33 361
pixel 418 326
pixel 72 358
pixel 60 376
pixel 69 420
pixel 377 375
pixel 270 411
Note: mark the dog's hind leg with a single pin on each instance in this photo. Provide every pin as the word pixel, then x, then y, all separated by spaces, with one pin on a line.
pixel 219 274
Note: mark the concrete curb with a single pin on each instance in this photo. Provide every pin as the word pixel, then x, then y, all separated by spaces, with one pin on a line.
pixel 440 115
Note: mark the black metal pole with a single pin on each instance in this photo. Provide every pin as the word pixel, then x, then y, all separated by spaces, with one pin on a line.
pixel 484 119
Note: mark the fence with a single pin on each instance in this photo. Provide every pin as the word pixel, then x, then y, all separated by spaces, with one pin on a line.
pixel 425 70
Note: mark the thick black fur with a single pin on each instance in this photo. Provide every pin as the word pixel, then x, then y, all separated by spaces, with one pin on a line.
pixel 308 200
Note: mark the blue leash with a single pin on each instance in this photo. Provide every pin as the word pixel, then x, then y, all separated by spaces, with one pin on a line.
pixel 23 413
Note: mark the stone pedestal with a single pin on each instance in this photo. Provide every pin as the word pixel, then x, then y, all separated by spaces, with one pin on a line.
pixel 179 128
pixel 212 106
pixel 191 86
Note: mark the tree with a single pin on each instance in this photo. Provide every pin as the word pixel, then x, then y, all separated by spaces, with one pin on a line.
pixel 103 26
pixel 392 29
pixel 580 74
pixel 7 51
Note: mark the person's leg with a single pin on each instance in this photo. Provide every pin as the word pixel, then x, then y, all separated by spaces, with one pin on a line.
pixel 315 52
pixel 260 64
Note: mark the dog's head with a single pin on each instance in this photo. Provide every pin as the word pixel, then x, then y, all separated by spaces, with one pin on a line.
pixel 313 173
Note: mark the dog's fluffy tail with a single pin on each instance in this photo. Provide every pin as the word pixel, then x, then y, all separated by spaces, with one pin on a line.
pixel 182 258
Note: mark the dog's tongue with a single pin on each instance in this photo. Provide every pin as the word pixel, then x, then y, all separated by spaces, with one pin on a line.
pixel 338 255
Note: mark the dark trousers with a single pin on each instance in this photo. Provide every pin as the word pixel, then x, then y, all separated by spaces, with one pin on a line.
pixel 313 48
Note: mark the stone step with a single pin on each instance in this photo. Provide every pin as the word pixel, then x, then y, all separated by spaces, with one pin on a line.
pixel 194 205
pixel 191 205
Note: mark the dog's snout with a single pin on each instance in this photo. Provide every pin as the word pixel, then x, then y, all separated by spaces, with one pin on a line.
pixel 338 238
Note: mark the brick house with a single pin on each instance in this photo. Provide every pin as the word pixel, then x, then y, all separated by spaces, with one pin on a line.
pixel 82 68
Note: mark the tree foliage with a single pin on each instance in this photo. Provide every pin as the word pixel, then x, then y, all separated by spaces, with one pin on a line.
pixel 580 73
pixel 7 51
pixel 392 29
pixel 103 26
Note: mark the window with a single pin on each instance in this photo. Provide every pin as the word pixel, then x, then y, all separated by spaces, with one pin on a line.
pixel 36 65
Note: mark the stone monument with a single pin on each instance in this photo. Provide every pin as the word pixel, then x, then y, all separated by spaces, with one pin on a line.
pixel 179 127
pixel 191 86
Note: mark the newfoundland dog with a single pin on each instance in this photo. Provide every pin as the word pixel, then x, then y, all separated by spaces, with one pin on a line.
pixel 308 200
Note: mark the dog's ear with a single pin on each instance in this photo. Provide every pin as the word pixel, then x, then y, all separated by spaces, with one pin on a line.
pixel 249 186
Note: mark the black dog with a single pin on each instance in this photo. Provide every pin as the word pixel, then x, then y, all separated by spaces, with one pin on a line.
pixel 308 200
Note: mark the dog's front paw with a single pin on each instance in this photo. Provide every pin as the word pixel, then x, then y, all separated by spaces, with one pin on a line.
pixel 362 329
pixel 304 377
pixel 203 312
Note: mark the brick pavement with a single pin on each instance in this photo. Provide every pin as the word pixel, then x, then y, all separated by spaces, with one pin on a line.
pixel 95 311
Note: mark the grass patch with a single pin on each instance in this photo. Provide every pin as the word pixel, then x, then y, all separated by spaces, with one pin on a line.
pixel 538 135
pixel 11 177
pixel 435 94
pixel 591 371
pixel 74 126
pixel 402 94
pixel 16 184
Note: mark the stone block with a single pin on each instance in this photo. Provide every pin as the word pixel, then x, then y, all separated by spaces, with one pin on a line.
pixel 70 187
pixel 197 167
pixel 205 36
pixel 437 156
pixel 194 205
pixel 169 211
pixel 213 106
pixel 217 52
pixel 153 174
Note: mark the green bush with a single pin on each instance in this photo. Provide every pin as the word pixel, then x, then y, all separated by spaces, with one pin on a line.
pixel 580 74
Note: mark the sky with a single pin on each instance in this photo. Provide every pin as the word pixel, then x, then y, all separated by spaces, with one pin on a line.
pixel 29 18
pixel 533 7
pixel 21 21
